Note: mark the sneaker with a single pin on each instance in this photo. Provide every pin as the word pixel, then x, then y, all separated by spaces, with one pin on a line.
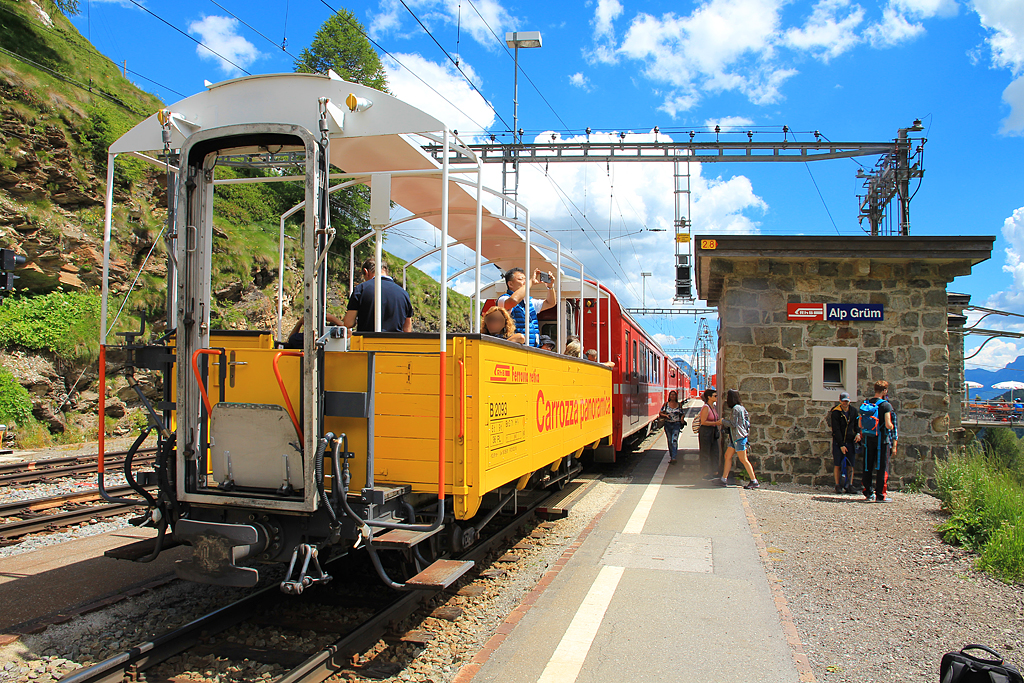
pixel 671 461
pixel 883 499
pixel 720 482
pixel 869 494
pixel 753 485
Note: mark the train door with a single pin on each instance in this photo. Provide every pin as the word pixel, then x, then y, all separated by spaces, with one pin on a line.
pixel 635 385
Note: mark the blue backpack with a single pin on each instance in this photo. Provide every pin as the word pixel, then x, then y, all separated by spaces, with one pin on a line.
pixel 869 423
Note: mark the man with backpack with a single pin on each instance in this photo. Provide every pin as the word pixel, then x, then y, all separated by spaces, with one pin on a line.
pixel 844 420
pixel 878 431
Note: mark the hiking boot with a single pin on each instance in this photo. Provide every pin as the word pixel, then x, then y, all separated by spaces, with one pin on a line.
pixel 849 489
pixel 839 489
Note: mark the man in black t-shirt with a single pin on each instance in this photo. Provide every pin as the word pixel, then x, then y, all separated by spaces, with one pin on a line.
pixel 396 308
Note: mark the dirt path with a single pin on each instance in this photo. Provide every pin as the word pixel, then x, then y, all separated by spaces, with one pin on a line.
pixel 875 593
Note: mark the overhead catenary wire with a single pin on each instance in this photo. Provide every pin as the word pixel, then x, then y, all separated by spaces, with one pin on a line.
pixel 255 30
pixel 397 61
pixel 454 62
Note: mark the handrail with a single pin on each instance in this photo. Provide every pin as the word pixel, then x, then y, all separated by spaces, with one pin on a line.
pixel 284 391
pixel 462 399
pixel 199 379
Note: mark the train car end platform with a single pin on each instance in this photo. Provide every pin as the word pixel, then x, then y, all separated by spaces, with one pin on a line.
pixel 666 585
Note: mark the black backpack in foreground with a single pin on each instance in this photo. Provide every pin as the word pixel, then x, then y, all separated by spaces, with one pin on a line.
pixel 960 667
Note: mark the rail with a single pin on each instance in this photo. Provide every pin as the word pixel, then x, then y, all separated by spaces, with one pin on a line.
pixel 316 667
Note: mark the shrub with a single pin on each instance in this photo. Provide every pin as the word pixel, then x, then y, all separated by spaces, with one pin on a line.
pixel 15 402
pixel 986 505
pixel 63 323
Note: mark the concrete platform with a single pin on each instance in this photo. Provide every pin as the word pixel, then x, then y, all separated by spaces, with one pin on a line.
pixel 54 579
pixel 667 586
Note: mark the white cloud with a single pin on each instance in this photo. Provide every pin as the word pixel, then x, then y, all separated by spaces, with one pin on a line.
pixel 488 15
pixel 619 203
pixel 926 9
pixel 727 122
pixel 1004 19
pixel 825 33
pixel 1014 96
pixel 893 29
pixel 996 354
pixel 465 110
pixel 220 34
pixel 607 11
pixel 723 45
pixel 1012 299
pixel 579 80
pixel 666 340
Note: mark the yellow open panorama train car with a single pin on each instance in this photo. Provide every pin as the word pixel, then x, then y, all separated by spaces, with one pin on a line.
pixel 382 441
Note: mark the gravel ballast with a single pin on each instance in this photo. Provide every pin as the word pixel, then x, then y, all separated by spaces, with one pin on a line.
pixel 875 593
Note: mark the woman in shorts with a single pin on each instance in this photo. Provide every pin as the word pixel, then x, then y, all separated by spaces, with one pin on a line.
pixel 739 428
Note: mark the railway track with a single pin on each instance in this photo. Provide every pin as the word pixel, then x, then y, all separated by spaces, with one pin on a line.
pixel 70 466
pixel 311 667
pixel 33 516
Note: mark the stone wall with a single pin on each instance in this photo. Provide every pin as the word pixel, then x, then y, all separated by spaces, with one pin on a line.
pixel 768 358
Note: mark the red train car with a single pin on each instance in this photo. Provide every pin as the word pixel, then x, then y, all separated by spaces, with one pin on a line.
pixel 643 373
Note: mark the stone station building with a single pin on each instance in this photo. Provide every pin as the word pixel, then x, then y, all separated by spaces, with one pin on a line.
pixel 802 319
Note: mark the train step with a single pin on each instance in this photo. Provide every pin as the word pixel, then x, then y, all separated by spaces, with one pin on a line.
pixel 439 575
pixel 402 538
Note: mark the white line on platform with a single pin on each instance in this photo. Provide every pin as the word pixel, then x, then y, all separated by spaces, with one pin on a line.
pixel 567 661
pixel 636 522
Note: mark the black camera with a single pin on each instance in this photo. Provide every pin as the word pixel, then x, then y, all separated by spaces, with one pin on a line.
pixel 9 260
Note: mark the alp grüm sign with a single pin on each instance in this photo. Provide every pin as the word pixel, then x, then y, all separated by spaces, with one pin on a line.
pixel 857 312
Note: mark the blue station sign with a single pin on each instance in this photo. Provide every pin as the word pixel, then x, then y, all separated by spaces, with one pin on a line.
pixel 848 312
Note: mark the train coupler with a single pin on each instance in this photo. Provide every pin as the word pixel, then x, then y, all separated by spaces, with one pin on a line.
pixel 311 572
pixel 216 550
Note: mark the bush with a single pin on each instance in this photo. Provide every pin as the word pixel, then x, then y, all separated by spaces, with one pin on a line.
pixel 15 403
pixel 65 324
pixel 986 505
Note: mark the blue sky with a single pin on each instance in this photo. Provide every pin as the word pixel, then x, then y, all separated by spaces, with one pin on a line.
pixel 855 71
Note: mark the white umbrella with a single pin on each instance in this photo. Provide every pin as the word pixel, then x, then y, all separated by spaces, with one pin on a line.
pixel 973 385
pixel 1012 385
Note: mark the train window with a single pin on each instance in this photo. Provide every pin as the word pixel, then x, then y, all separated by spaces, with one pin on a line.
pixel 635 370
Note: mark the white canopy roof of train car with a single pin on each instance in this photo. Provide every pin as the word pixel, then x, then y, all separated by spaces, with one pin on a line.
pixel 375 140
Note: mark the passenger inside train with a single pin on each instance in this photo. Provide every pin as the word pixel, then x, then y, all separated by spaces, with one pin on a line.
pixel 512 301
pixel 396 308
pixel 498 323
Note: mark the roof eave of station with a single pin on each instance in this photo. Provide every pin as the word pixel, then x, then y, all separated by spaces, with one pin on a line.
pixel 969 250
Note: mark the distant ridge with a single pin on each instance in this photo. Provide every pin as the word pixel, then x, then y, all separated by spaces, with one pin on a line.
pixel 1013 371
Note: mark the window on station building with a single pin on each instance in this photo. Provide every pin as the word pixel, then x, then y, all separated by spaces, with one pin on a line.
pixel 833 371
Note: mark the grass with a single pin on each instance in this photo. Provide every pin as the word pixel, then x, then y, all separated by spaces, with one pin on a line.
pixel 983 490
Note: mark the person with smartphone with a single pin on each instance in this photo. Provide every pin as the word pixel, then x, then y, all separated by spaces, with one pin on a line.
pixel 525 313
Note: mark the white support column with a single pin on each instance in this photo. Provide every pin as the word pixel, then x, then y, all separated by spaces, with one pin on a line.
pixel 479 236
pixel 529 276
pixel 108 210
pixel 561 310
pixel 597 330
pixel 444 242
pixel 280 280
pixel 377 254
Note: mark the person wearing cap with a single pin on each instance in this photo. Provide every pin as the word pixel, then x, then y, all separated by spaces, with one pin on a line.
pixel 545 342
pixel 845 423
pixel 523 312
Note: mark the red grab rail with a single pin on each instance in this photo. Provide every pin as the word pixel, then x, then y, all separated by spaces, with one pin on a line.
pixel 284 391
pixel 199 379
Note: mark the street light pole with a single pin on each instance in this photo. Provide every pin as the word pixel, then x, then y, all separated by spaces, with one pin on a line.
pixel 516 40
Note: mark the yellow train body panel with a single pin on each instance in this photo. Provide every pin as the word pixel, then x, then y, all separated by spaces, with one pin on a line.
pixel 509 411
